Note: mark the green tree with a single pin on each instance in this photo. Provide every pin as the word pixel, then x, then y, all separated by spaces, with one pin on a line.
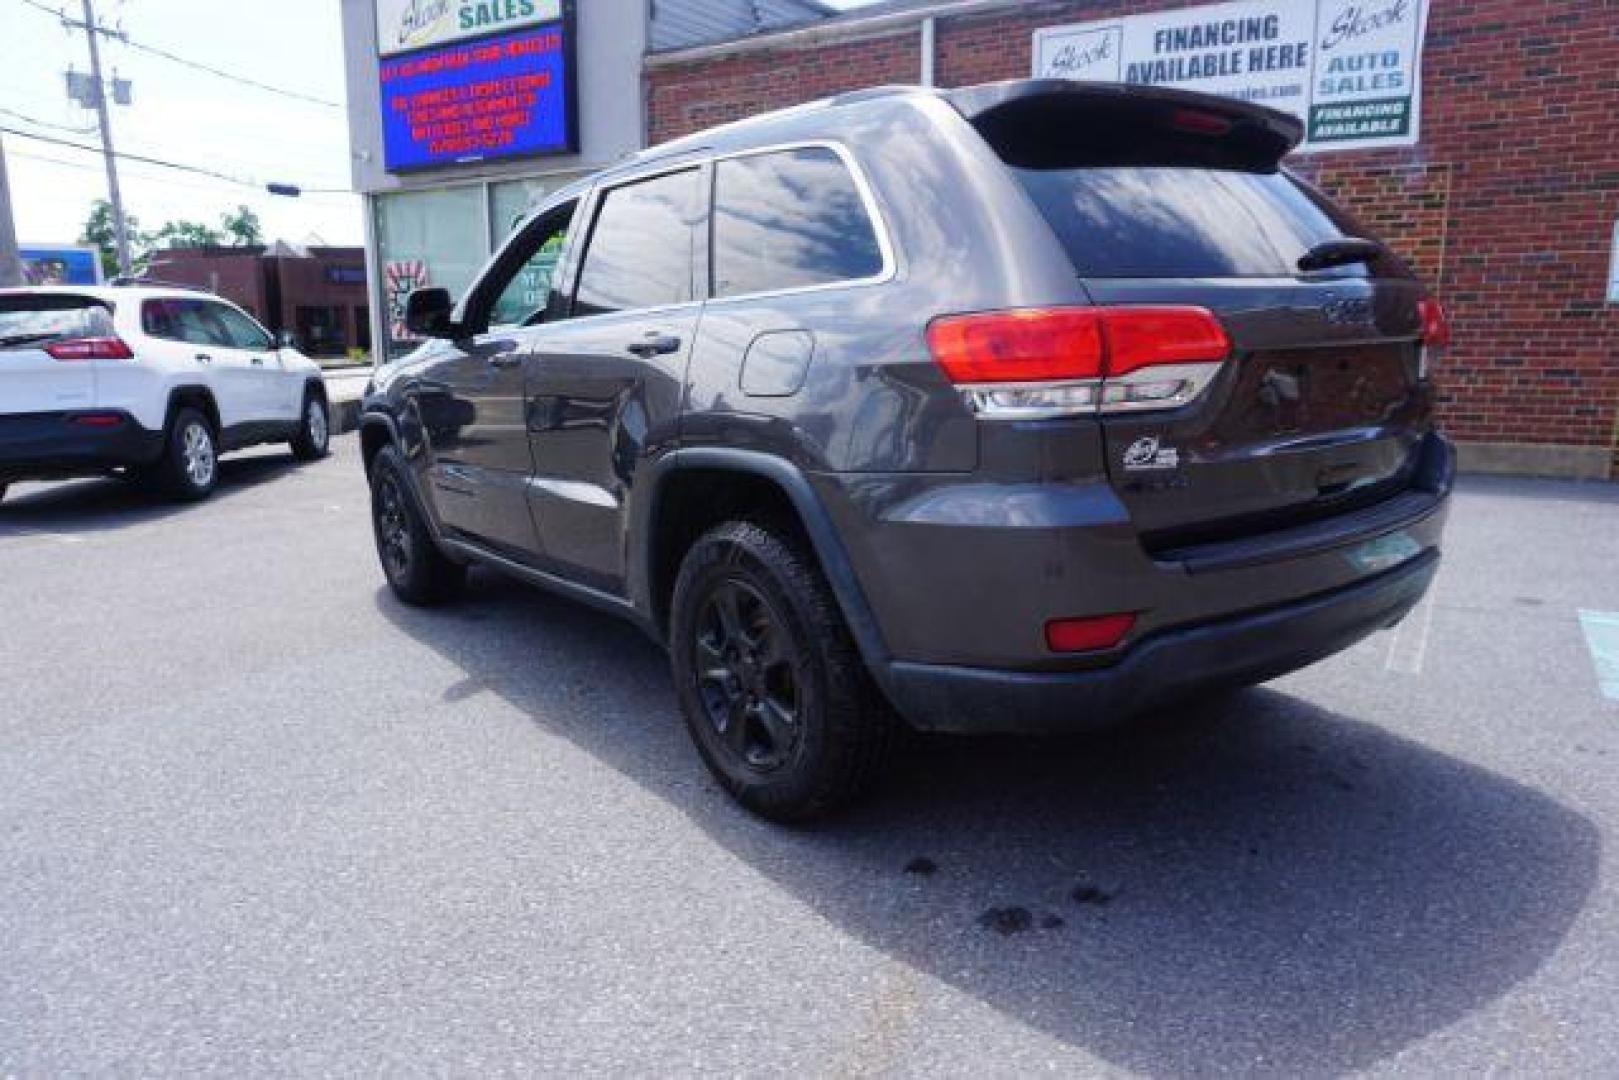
pixel 100 234
pixel 185 234
pixel 242 227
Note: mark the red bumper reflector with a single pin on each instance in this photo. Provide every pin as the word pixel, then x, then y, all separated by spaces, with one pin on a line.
pixel 96 419
pixel 1088 634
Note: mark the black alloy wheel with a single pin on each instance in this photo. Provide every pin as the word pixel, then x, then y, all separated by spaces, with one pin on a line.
pixel 745 677
pixel 393 529
pixel 772 688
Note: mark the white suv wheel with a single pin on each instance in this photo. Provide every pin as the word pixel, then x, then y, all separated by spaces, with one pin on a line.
pixel 200 461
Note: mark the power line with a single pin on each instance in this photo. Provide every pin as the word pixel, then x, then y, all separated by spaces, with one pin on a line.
pixel 244 80
pixel 143 159
pixel 320 194
pixel 137 157
pixel 46 123
pixel 194 64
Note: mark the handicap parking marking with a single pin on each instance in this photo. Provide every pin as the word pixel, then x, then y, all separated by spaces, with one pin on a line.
pixel 1602 639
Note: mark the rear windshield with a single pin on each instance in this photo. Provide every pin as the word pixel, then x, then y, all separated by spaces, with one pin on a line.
pixel 31 319
pixel 1168 221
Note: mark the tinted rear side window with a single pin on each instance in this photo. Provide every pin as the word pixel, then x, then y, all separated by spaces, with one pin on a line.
pixel 32 318
pixel 640 252
pixel 789 219
pixel 191 321
pixel 1180 222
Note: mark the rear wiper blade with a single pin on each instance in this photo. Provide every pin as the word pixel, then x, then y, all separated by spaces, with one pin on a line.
pixel 26 339
pixel 1342 252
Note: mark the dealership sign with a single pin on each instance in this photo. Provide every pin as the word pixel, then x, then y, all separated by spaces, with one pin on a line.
pixel 1350 69
pixel 408 25
pixel 496 97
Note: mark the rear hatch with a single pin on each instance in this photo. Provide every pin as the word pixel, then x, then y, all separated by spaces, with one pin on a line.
pixel 31 379
pixel 1162 198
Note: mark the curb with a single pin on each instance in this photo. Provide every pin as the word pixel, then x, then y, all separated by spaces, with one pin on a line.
pixel 345 416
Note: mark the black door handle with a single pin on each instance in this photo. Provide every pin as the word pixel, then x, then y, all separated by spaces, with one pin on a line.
pixel 204 358
pixel 654 344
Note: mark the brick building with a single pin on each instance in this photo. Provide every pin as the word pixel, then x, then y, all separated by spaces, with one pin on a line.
pixel 319 293
pixel 1506 204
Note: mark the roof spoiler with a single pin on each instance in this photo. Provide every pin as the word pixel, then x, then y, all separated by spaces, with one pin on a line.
pixel 1025 120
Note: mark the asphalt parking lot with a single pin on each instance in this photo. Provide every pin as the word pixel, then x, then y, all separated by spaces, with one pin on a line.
pixel 256 817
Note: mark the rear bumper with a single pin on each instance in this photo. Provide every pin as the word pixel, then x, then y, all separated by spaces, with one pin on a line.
pixel 1164 668
pixel 963 576
pixel 56 445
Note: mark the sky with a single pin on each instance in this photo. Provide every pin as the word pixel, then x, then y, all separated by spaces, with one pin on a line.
pixel 182 115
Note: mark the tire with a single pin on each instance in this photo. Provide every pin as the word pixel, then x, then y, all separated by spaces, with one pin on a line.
pixel 189 470
pixel 417 571
pixel 314 438
pixel 773 689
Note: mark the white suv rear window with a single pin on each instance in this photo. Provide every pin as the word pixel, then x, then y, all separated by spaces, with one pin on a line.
pixel 29 319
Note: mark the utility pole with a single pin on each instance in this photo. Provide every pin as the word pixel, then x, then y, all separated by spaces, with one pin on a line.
pixel 98 88
pixel 10 259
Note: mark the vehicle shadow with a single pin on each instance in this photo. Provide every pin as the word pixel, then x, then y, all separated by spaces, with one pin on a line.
pixel 108 503
pixel 1260 884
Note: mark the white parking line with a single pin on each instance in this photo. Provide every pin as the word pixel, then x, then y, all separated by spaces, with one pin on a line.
pixel 1408 646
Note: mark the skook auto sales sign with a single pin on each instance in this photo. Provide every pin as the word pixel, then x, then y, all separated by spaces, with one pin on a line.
pixel 1350 69
pixel 407 25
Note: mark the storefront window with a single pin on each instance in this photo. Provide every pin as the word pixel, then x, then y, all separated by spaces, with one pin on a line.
pixel 445 235
pixel 427 238
pixel 513 200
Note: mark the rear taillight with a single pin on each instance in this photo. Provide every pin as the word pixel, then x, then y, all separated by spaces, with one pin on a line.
pixel 1435 333
pixel 1041 362
pixel 1435 323
pixel 90 348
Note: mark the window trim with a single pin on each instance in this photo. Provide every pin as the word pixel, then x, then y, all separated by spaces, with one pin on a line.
pixel 268 337
pixel 703 167
pixel 475 299
pixel 203 302
pixel 885 246
pixel 592 192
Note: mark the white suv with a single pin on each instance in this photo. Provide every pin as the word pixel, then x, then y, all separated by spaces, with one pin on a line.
pixel 147 382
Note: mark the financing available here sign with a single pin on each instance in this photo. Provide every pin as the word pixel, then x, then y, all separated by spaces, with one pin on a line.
pixel 1350 69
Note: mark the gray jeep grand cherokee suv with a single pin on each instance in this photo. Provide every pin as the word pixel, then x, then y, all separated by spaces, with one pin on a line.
pixel 1023 407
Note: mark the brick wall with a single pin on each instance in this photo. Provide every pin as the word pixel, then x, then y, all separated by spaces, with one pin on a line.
pixel 1507 207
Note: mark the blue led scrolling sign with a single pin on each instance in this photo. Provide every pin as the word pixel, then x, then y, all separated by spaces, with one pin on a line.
pixel 511 95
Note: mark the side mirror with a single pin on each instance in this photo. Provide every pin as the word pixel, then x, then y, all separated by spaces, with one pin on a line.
pixel 287 339
pixel 428 313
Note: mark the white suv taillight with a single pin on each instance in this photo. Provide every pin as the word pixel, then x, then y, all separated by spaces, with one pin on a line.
pixel 1035 363
pixel 90 348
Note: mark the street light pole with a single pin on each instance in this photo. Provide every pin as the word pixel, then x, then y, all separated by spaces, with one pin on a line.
pixel 10 258
pixel 98 88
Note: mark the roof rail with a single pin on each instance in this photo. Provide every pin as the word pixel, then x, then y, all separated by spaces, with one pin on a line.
pixel 128 281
